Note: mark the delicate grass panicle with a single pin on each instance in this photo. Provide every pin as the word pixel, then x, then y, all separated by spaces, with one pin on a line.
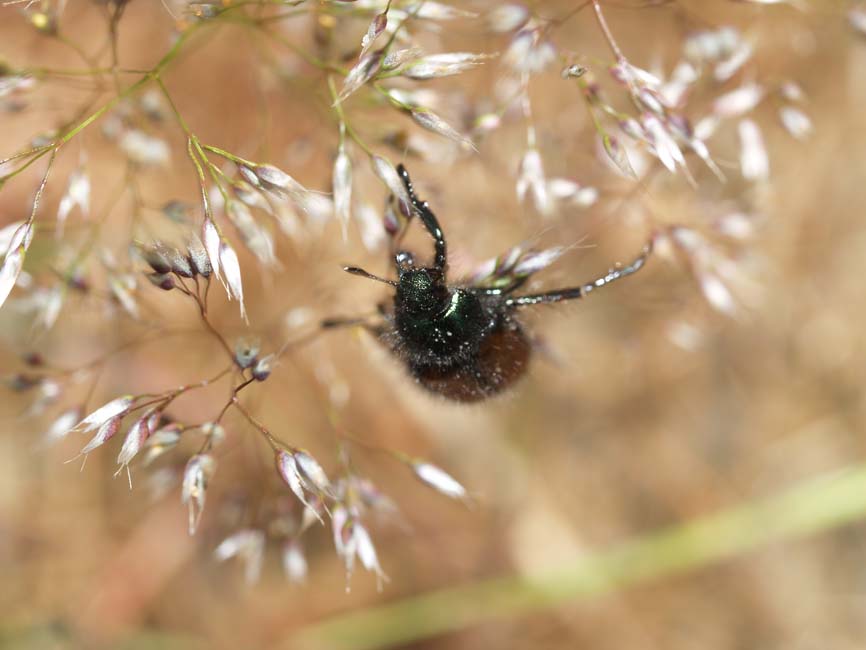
pixel 380 81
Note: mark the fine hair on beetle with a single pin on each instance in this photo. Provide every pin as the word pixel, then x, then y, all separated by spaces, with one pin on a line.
pixel 463 341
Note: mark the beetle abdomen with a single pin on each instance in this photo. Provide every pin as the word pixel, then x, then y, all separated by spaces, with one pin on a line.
pixel 501 359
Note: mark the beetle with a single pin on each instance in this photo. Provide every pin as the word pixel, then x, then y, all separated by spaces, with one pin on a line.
pixel 465 342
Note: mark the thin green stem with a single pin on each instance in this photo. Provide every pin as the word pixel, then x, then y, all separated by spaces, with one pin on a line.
pixel 177 114
pixel 90 119
pixel 196 149
pixel 275 443
pixel 84 56
pixel 93 235
pixel 229 156
pixel 24 154
pixel 216 174
pixel 278 17
pixel 306 56
pixel 41 189
pixel 165 398
pixel 79 72
pixel 345 127
pixel 394 34
pixel 237 4
pixel 201 180
pixel 608 35
pixel 815 506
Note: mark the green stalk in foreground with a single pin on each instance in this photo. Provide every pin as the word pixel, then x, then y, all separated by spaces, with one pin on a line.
pixel 817 505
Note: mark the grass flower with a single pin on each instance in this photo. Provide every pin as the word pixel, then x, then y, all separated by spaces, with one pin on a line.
pixel 199 471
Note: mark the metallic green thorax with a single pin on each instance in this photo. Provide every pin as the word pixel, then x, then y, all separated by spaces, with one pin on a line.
pixel 434 321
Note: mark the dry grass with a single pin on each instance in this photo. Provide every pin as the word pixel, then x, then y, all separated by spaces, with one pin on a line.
pixel 618 433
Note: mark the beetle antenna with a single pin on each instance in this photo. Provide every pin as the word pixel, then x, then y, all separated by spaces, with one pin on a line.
pixel 354 270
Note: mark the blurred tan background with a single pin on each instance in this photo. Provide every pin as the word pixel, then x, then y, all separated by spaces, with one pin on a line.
pixel 650 408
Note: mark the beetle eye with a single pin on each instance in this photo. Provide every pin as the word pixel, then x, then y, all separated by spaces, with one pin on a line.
pixel 404 259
